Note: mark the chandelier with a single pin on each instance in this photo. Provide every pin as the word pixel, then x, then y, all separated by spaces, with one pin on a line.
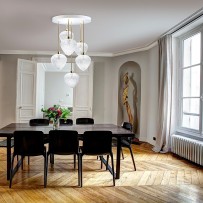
pixel 69 46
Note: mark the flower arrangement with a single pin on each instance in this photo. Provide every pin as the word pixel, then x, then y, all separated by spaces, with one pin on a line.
pixel 55 112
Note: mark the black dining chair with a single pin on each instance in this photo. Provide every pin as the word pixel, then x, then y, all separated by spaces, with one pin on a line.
pixel 126 142
pixel 28 143
pixel 39 122
pixel 66 121
pixel 63 142
pixel 97 143
pixel 84 121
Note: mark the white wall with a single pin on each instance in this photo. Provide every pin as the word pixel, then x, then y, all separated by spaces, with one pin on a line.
pixel 40 90
pixel 1 90
pixel 102 90
pixel 153 95
pixel 56 91
pixel 98 92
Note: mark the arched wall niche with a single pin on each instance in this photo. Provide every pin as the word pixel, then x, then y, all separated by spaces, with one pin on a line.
pixel 129 102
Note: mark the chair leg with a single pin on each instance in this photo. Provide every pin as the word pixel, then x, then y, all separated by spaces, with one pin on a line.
pixel 122 153
pixel 101 161
pixel 132 157
pixel 74 161
pixel 79 171
pixel 28 160
pixel 11 171
pixel 45 170
pixel 52 158
pixel 22 157
pixel 112 169
pixel 47 164
pixel 107 162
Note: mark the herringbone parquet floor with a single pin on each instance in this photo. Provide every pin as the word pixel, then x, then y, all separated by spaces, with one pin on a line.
pixel 159 178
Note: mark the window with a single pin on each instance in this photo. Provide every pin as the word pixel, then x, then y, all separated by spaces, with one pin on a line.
pixel 190 82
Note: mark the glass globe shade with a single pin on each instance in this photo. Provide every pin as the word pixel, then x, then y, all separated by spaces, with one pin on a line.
pixel 59 60
pixel 79 48
pixel 71 79
pixel 64 35
pixel 83 62
pixel 68 46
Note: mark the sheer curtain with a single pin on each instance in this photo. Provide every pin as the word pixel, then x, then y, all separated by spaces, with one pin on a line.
pixel 165 95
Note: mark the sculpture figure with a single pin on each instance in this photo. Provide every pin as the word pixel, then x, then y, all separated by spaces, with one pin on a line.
pixel 125 98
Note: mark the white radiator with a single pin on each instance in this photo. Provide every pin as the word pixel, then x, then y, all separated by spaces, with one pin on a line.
pixel 187 148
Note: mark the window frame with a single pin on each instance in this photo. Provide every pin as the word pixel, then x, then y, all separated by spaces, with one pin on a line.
pixel 180 63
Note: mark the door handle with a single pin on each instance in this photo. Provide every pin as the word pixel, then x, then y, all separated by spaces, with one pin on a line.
pixel 20 107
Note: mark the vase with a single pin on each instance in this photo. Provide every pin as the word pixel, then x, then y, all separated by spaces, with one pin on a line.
pixel 56 123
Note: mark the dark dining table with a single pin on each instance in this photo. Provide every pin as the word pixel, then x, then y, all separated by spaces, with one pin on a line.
pixel 117 131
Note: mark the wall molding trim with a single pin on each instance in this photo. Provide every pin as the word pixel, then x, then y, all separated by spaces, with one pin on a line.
pixel 140 49
pixel 99 54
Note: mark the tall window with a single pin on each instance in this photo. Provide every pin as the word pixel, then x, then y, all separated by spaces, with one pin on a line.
pixel 191 81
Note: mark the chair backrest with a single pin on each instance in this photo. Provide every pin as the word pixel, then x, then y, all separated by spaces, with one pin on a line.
pixel 66 121
pixel 127 126
pixel 97 142
pixel 39 122
pixel 63 142
pixel 28 143
pixel 84 121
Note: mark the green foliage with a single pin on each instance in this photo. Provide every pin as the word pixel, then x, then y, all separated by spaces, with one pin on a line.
pixel 56 111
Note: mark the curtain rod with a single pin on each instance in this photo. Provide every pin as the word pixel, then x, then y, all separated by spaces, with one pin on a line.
pixel 195 16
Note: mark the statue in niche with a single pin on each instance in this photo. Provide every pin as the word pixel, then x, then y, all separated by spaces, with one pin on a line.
pixel 126 80
pixel 125 98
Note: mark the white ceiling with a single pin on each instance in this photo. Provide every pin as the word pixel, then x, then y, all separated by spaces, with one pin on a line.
pixel 116 26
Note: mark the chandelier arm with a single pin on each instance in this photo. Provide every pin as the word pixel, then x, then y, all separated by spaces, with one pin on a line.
pixel 83 36
pixel 68 28
pixel 58 39
pixel 81 31
pixel 71 30
pixel 71 70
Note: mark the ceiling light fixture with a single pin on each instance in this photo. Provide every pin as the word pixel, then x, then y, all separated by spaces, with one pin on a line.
pixel 68 43
pixel 71 79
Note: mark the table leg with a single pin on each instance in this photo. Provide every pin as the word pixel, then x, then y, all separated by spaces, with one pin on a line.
pixel 118 157
pixel 8 157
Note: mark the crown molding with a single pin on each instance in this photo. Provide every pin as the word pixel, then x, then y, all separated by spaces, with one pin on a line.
pixel 26 52
pixel 50 53
pixel 139 49
pixel 99 54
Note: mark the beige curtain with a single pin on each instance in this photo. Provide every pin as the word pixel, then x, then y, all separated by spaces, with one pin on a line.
pixel 164 121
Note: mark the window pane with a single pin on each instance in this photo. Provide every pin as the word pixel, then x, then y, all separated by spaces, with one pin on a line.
pixel 191 105
pixel 191 82
pixel 189 121
pixel 191 51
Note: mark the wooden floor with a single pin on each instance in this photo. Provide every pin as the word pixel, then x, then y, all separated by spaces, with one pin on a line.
pixel 159 178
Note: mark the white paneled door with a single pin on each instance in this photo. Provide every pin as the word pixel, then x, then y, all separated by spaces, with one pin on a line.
pixel 26 90
pixel 83 94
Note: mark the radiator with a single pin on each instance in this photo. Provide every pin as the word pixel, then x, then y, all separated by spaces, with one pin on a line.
pixel 187 148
